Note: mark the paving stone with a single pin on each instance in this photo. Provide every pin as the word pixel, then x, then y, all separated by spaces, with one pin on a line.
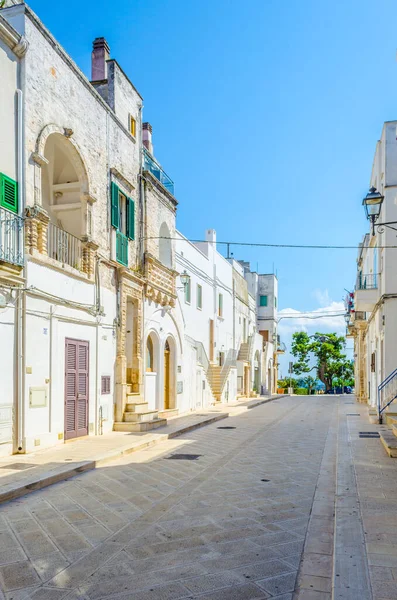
pixel 48 566
pixel 240 592
pixel 72 542
pixel 207 583
pixel 261 570
pixel 312 582
pixel 278 585
pixel 12 555
pixel 36 544
pixel 18 575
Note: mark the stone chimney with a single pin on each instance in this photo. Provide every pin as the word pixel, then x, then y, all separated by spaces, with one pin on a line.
pixel 147 131
pixel 100 54
pixel 210 237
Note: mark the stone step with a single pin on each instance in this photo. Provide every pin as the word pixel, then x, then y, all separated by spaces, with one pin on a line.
pixel 132 417
pixel 389 418
pixel 389 441
pixel 139 427
pixel 136 407
pixel 168 412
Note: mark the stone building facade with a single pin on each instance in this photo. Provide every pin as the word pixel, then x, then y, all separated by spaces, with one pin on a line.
pixel 98 321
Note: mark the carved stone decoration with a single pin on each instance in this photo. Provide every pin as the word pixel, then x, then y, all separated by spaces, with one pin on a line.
pixel 88 257
pixel 36 229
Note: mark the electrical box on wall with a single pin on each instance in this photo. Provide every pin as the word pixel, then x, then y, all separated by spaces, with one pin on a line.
pixel 37 397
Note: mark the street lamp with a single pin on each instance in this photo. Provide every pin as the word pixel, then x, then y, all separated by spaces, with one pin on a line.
pixel 185 278
pixel 373 204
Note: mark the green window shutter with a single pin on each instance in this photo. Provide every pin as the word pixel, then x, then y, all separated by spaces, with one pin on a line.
pixel 130 219
pixel 114 205
pixel 263 301
pixel 8 193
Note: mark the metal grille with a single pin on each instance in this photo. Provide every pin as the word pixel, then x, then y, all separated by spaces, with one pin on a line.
pixel 11 237
pixel 228 427
pixel 369 434
pixel 183 457
pixel 63 246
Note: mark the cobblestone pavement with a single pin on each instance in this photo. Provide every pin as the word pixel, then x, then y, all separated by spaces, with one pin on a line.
pixel 238 520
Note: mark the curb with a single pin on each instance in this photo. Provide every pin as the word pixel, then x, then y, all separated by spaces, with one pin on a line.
pixel 37 484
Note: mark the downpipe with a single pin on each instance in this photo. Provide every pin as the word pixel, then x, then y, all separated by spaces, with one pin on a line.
pixel 21 298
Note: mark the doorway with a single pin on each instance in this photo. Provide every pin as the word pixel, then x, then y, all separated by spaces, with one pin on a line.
pixel 167 376
pixel 76 388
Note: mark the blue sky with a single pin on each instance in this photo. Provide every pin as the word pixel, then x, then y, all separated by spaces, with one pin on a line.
pixel 265 113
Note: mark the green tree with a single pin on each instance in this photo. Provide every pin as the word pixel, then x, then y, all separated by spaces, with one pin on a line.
pixel 327 351
pixel 310 383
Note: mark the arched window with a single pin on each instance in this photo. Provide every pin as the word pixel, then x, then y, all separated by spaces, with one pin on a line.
pixel 165 250
pixel 149 354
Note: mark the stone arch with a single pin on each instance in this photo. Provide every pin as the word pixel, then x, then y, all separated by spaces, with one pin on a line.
pixel 165 245
pixel 76 157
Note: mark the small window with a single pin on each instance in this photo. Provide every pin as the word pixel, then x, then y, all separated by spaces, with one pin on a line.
pixel 105 384
pixel 188 292
pixel 275 302
pixel 262 300
pixel 132 126
pixel 199 297
pixel 220 305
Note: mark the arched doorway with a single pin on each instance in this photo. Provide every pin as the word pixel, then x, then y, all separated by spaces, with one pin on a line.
pixel 152 371
pixel 169 374
pixel 257 373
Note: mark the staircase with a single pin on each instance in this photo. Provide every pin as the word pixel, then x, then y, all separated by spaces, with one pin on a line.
pixel 137 416
pixel 244 352
pixel 214 379
pixel 387 393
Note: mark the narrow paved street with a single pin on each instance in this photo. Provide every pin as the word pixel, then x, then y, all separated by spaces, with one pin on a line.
pixel 245 511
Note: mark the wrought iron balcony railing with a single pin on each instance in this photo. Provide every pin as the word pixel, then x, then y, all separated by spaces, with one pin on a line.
pixel 150 164
pixel 11 237
pixel 64 247
pixel 367 282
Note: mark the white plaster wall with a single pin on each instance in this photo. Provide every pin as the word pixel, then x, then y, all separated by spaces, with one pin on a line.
pixel 7 375
pixel 8 112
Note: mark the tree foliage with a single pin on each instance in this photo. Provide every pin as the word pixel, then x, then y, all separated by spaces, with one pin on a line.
pixel 326 350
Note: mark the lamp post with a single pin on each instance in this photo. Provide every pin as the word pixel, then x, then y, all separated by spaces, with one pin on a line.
pixel 185 278
pixel 373 204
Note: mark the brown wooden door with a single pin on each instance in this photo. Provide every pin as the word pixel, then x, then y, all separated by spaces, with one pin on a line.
pixel 76 388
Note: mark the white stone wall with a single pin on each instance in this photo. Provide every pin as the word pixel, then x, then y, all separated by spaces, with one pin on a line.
pixel 8 112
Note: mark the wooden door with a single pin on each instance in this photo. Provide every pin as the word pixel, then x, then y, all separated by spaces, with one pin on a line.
pixel 76 388
pixel 166 377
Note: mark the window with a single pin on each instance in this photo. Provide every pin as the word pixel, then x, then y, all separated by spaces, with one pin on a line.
pixel 220 305
pixel 275 302
pixel 8 193
pixel 199 297
pixel 122 212
pixel 105 384
pixel 149 354
pixel 188 292
pixel 132 126
pixel 262 300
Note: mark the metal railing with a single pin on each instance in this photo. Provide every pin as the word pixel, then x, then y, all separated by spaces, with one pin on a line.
pixel 150 164
pixel 11 237
pixel 63 246
pixel 387 392
pixel 367 282
pixel 202 357
pixel 230 361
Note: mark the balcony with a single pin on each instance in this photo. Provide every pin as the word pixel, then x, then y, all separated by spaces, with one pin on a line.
pixel 64 247
pixel 11 238
pixel 161 281
pixel 151 165
pixel 366 295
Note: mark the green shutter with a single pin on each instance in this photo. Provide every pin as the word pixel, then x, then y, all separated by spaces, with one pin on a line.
pixel 130 219
pixel 115 205
pixel 8 193
pixel 263 301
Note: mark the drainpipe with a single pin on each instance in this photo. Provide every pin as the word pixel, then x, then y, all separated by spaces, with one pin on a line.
pixel 21 301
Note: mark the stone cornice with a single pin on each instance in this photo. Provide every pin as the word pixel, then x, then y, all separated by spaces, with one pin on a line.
pixel 12 38
pixel 127 184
